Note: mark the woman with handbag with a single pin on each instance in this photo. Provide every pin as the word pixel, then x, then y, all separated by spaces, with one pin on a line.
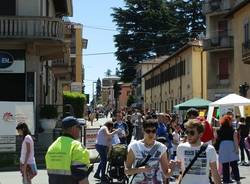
pixel 27 160
pixel 228 149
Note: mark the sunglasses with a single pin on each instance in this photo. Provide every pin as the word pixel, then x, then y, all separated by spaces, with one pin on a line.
pixel 190 132
pixel 148 131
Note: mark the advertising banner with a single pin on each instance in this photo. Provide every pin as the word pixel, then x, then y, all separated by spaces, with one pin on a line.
pixel 90 137
pixel 11 113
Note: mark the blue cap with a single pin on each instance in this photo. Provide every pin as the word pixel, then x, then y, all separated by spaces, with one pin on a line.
pixel 70 121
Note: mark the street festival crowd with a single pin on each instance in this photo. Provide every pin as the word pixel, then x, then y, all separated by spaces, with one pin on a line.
pixel 148 148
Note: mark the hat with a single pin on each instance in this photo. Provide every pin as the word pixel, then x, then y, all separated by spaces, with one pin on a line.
pixel 193 111
pixel 71 121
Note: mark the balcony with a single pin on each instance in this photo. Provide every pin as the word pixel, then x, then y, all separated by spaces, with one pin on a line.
pixel 246 52
pixel 43 28
pixel 217 6
pixel 218 43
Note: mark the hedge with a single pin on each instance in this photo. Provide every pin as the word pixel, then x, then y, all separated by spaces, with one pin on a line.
pixel 77 100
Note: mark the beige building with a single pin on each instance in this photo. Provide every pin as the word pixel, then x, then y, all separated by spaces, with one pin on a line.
pixel 178 78
pixel 31 34
pixel 142 68
pixel 224 38
pixel 240 20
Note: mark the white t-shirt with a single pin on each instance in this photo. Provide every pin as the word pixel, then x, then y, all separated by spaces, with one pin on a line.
pixel 176 138
pixel 31 159
pixel 199 172
pixel 141 152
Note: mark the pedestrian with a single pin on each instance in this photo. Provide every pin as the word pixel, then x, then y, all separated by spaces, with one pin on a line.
pixel 67 161
pixel 27 159
pixel 243 131
pixel 147 158
pixel 122 126
pixel 130 128
pixel 103 142
pixel 199 171
pixel 228 149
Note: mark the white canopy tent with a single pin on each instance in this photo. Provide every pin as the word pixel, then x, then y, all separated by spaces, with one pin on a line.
pixel 231 100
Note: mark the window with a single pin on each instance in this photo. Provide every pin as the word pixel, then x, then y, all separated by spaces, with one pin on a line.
pixel 222 27
pixel 8 7
pixel 223 69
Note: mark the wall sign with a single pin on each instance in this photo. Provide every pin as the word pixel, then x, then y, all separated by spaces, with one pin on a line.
pixel 10 64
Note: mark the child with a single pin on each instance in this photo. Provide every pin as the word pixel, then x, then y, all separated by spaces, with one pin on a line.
pixel 27 159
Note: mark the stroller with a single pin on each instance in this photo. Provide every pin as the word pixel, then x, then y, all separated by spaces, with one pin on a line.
pixel 116 167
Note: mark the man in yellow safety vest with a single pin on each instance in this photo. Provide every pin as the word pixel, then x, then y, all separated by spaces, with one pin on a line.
pixel 67 161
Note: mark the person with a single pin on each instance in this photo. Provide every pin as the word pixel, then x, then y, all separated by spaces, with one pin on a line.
pixel 130 128
pixel 228 149
pixel 156 165
pixel 123 128
pixel 67 161
pixel 208 135
pixel 27 159
pixel 243 131
pixel 199 172
pixel 136 119
pixel 103 141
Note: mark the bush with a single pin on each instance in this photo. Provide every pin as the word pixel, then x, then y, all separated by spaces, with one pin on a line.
pixel 48 112
pixel 76 100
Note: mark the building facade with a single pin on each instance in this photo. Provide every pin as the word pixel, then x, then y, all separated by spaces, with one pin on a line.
pixel 31 34
pixel 126 91
pixel 108 82
pixel 225 71
pixel 240 17
pixel 137 85
pixel 178 78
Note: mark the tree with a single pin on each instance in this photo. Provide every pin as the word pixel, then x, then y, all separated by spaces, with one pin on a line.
pixel 98 89
pixel 151 28
pixel 117 72
pixel 108 72
pixel 131 100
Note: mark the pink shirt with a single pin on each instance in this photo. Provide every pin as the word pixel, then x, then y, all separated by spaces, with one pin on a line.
pixel 31 159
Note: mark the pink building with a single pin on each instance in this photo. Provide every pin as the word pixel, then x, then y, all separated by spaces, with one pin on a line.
pixel 126 90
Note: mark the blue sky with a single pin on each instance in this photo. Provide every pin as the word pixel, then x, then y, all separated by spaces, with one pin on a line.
pixel 96 14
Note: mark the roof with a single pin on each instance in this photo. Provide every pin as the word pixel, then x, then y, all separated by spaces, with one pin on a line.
pixel 111 77
pixel 194 102
pixel 188 45
pixel 237 8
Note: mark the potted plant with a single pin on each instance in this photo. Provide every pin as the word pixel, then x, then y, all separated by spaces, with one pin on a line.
pixel 48 117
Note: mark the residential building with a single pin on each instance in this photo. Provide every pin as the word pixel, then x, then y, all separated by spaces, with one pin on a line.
pixel 31 34
pixel 126 91
pixel 142 68
pixel 108 82
pixel 225 71
pixel 240 17
pixel 178 78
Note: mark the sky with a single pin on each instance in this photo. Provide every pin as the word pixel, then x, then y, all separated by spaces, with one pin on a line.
pixel 95 14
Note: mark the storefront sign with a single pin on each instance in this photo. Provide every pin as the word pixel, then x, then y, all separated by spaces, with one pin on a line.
pixel 12 113
pixel 76 87
pixel 7 143
pixel 90 137
pixel 8 64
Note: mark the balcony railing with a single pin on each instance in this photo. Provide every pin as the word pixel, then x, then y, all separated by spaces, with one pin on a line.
pixel 59 63
pixel 218 43
pixel 211 6
pixel 246 52
pixel 31 28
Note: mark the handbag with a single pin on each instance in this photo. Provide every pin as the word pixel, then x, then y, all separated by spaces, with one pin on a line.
pixel 202 148
pixel 146 159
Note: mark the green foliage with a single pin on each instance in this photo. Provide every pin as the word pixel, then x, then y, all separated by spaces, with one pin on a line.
pixel 131 100
pixel 108 72
pixel 151 28
pixel 77 101
pixel 117 90
pixel 48 112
